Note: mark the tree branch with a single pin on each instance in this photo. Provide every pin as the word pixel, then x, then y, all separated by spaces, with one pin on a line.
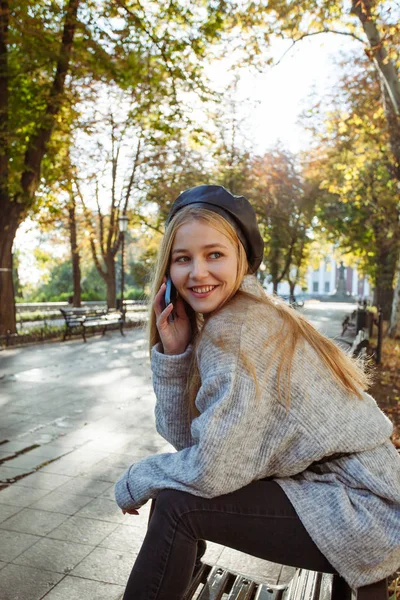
pixel 92 234
pixel 38 144
pixel 101 221
pixel 156 42
pixel 114 162
pixel 143 221
pixel 117 239
pixel 385 66
pixel 325 30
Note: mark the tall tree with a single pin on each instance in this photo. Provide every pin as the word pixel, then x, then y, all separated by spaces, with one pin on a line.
pixel 359 202
pixel 109 161
pixel 42 43
pixel 28 120
pixel 277 194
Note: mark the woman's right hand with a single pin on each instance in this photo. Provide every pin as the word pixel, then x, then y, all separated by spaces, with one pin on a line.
pixel 176 335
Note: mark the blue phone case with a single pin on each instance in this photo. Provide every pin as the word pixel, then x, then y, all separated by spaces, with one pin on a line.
pixel 168 288
pixel 168 293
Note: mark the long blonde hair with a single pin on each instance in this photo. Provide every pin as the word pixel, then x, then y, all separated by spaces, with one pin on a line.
pixel 346 370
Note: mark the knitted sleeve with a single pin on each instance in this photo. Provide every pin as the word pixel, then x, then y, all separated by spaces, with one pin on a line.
pixel 169 382
pixel 213 464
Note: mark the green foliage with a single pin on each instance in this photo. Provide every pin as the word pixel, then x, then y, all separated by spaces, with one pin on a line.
pixel 24 317
pixel 59 286
pixel 60 281
pixel 354 169
pixel 284 207
pixel 93 286
pixel 135 294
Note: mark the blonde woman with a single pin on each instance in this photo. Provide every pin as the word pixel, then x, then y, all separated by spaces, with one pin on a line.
pixel 280 453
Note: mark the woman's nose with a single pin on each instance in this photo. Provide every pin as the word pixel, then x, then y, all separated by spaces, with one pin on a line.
pixel 199 269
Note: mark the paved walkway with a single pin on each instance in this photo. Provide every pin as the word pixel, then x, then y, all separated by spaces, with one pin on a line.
pixel 73 417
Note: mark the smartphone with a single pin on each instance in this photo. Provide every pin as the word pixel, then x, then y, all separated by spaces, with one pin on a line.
pixel 170 296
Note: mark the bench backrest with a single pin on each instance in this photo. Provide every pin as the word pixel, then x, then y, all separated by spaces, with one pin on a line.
pixel 76 316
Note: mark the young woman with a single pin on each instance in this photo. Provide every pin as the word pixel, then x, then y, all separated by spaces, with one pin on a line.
pixel 279 451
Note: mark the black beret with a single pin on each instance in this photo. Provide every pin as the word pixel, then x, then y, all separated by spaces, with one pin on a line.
pixel 237 210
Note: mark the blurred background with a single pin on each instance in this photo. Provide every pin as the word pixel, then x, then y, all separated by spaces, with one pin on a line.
pixel 110 109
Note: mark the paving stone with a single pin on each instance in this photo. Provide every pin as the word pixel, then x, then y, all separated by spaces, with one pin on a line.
pixel 121 461
pixel 13 418
pixel 53 555
pixel 13 543
pixel 77 588
pixel 2 564
pixel 105 473
pixel 83 531
pixel 102 509
pixel 125 538
pixel 56 501
pixel 12 447
pixel 18 496
pixel 7 511
pixel 84 486
pixel 50 451
pixel 119 566
pixel 68 466
pixel 286 574
pixel 213 553
pixel 26 461
pixel 4 455
pixel 7 473
pixel 45 481
pixel 109 492
pixel 39 522
pixel 26 583
pixel 84 454
pixel 261 570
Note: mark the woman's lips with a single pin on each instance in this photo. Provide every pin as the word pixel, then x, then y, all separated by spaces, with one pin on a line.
pixel 202 294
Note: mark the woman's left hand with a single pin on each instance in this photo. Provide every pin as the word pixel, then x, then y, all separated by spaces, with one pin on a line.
pixel 131 511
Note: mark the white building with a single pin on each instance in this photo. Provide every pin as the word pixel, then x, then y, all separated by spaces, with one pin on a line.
pixel 324 280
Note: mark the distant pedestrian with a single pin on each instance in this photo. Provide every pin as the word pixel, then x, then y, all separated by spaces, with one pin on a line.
pixel 280 453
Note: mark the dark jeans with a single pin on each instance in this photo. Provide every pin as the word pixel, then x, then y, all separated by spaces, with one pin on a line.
pixel 257 519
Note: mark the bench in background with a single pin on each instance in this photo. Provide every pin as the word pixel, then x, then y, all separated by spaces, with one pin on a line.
pixel 83 319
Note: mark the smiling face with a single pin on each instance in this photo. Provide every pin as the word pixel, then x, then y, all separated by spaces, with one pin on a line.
pixel 203 266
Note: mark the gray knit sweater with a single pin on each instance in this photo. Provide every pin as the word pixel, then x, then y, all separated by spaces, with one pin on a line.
pixel 349 506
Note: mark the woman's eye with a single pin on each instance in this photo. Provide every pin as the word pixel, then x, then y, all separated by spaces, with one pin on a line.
pixel 213 254
pixel 182 259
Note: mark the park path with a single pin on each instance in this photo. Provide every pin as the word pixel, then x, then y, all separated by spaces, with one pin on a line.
pixel 73 417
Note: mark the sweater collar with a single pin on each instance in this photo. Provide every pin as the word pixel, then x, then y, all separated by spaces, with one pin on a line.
pixel 251 285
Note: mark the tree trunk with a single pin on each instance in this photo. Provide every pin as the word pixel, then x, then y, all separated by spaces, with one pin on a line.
pixel 394 329
pixel 386 67
pixel 386 266
pixel 9 221
pixel 76 270
pixel 388 73
pixel 292 285
pixel 111 283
